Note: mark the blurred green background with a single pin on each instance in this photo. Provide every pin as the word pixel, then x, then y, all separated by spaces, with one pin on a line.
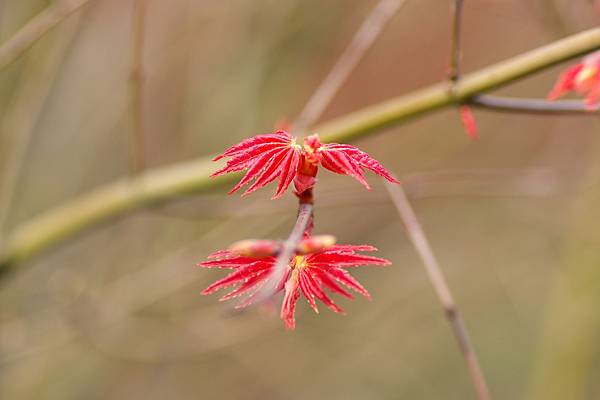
pixel 116 312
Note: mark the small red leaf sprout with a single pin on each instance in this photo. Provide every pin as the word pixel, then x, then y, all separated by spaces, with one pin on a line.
pixel 277 155
pixel 308 275
pixel 468 121
pixel 583 78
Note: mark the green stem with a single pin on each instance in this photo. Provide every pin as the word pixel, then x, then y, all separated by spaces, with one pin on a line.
pixel 123 196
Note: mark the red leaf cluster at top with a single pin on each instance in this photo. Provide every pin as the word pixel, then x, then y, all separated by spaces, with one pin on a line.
pixel 277 156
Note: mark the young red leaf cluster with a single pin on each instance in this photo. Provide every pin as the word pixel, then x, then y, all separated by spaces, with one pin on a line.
pixel 307 274
pixel 272 156
pixel 318 264
pixel 583 78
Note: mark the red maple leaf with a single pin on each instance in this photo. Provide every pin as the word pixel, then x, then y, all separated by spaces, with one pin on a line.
pixel 583 78
pixel 307 274
pixel 277 156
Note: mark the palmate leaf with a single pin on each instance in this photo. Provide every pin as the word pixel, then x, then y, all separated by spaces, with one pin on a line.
pixel 276 156
pixel 307 275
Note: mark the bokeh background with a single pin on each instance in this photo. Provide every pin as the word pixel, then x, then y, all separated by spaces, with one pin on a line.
pixel 116 312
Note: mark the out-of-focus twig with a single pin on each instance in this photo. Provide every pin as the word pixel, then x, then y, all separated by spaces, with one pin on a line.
pixel 10 51
pixel 36 29
pixel 23 113
pixel 136 135
pixel 364 38
pixel 436 276
pixel 533 106
pixel 455 44
pixel 419 240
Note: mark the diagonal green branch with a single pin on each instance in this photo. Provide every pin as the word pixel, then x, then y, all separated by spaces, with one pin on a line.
pixel 126 195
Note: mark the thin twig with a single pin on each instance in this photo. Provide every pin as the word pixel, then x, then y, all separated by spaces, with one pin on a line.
pixel 455 44
pixel 436 276
pixel 287 251
pixel 168 183
pixel 36 29
pixel 22 116
pixel 364 38
pixel 533 106
pixel 500 103
pixel 419 240
pixel 136 136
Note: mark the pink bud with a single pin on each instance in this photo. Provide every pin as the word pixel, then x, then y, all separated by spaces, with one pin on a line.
pixel 314 244
pixel 255 248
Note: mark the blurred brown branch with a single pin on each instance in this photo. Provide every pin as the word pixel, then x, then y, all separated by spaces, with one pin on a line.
pixel 136 136
pixel 533 106
pixel 455 42
pixel 10 51
pixel 24 112
pixel 438 280
pixel 362 41
pixel 36 29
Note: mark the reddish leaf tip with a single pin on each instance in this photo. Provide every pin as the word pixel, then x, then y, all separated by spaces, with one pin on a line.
pixel 468 121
